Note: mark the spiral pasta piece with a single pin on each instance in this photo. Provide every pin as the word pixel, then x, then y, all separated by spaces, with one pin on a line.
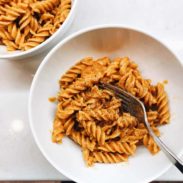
pixel 105 157
pixel 88 156
pixel 12 13
pixel 76 104
pixel 5 35
pixel 114 104
pixel 149 99
pixel 120 147
pixel 14 34
pixel 11 46
pixel 104 61
pixel 34 25
pixel 25 20
pixel 141 91
pixel 68 126
pixel 82 140
pixel 63 113
pixel 149 142
pixel 152 117
pixel 134 135
pixel 113 134
pixel 38 38
pixel 96 93
pixel 83 116
pixel 95 131
pixel 44 6
pixel 107 128
pixel 127 82
pixel 126 120
pixel 62 13
pixel 74 72
pixel 155 130
pixel 112 68
pixel 58 131
pixel 162 101
pixel 139 133
pixel 124 65
pixel 79 86
pixel 103 114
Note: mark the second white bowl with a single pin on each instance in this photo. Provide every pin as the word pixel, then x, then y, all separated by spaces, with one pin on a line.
pixel 50 42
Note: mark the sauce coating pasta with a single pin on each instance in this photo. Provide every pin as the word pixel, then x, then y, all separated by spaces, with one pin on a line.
pixel 94 118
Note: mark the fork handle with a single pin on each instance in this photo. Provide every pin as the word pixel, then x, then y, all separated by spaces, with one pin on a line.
pixel 171 156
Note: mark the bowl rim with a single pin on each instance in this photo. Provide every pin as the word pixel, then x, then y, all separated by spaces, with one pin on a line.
pixel 20 53
pixel 46 59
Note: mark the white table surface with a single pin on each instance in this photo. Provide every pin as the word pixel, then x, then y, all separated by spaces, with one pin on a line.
pixel 20 158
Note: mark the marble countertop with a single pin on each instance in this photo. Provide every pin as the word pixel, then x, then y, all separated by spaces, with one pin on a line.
pixel 20 158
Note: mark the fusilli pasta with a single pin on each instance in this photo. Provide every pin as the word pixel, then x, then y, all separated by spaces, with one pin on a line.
pixel 95 119
pixel 25 24
pixel 106 157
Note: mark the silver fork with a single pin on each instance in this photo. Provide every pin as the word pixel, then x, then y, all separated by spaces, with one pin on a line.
pixel 135 107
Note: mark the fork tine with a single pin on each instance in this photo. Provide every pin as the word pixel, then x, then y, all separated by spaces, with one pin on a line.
pixel 124 99
pixel 116 89
pixel 129 102
pixel 125 104
pixel 126 108
pixel 120 93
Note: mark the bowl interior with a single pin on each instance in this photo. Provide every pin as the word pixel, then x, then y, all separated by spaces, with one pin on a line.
pixel 155 61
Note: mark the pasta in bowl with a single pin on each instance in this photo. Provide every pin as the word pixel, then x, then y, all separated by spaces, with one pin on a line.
pixel 107 45
pixel 95 118
pixel 29 26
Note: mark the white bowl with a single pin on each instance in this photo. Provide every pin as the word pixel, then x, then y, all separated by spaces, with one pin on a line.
pixel 155 61
pixel 50 42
